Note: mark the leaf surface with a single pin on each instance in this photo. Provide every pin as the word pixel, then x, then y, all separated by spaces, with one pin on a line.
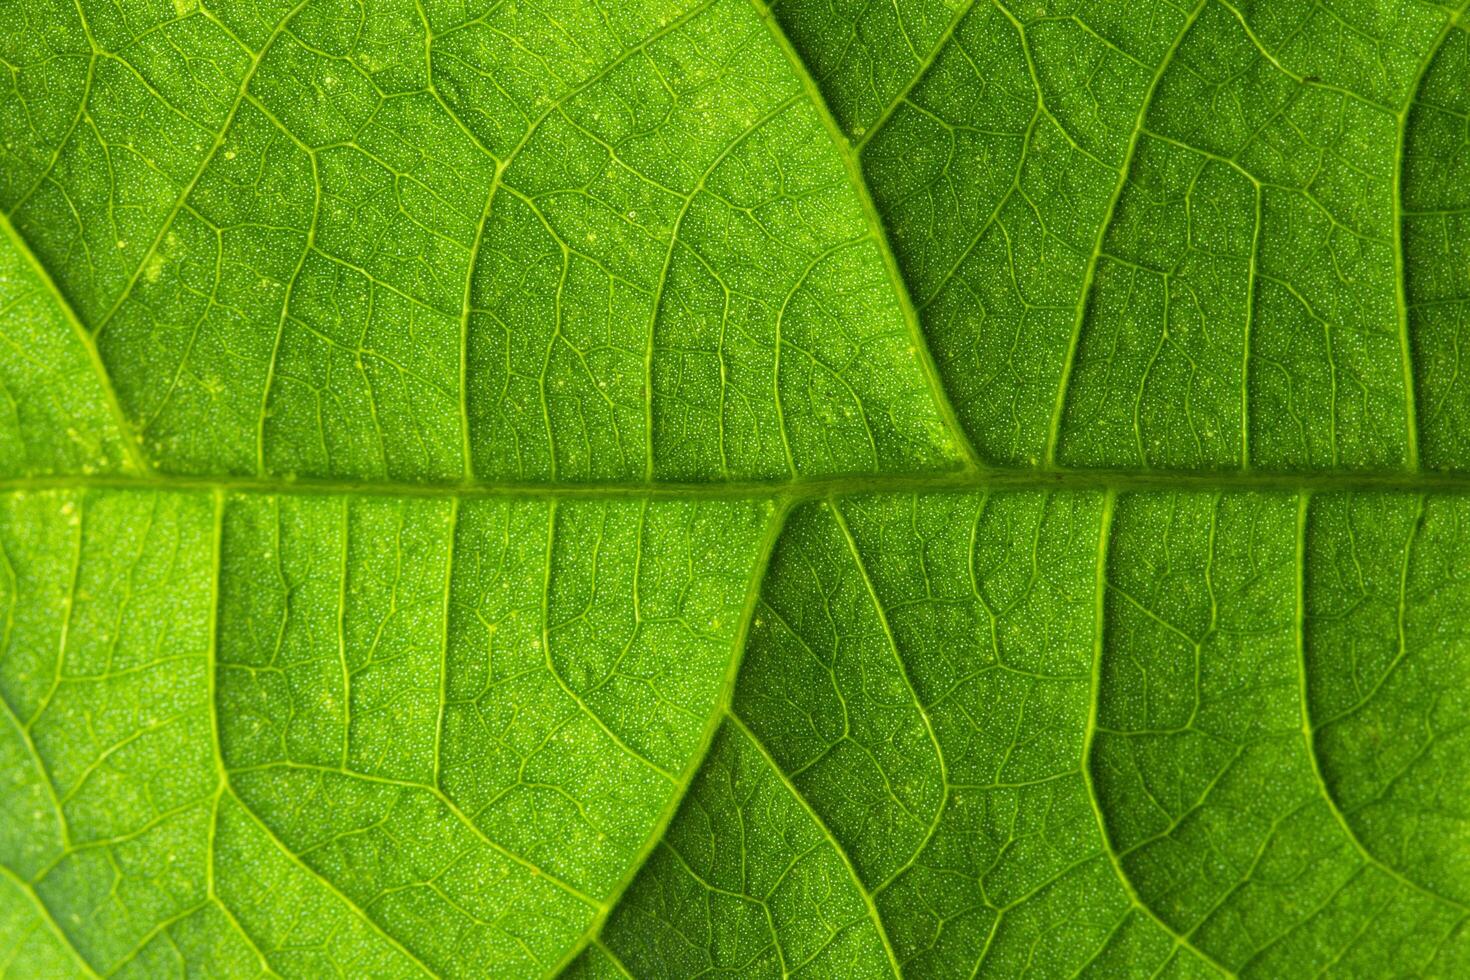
pixel 667 489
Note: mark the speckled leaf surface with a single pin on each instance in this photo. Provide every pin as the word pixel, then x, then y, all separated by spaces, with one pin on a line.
pixel 682 488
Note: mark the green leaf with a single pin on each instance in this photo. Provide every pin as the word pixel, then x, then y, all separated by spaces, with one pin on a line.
pixel 679 488
pixel 1181 235
pixel 418 243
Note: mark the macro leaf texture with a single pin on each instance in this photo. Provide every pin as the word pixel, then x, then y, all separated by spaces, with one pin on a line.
pixel 680 488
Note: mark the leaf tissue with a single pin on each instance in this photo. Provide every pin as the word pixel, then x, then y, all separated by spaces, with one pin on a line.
pixel 678 488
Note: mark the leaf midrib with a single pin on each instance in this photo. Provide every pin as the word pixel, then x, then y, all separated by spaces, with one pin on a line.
pixel 781 492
